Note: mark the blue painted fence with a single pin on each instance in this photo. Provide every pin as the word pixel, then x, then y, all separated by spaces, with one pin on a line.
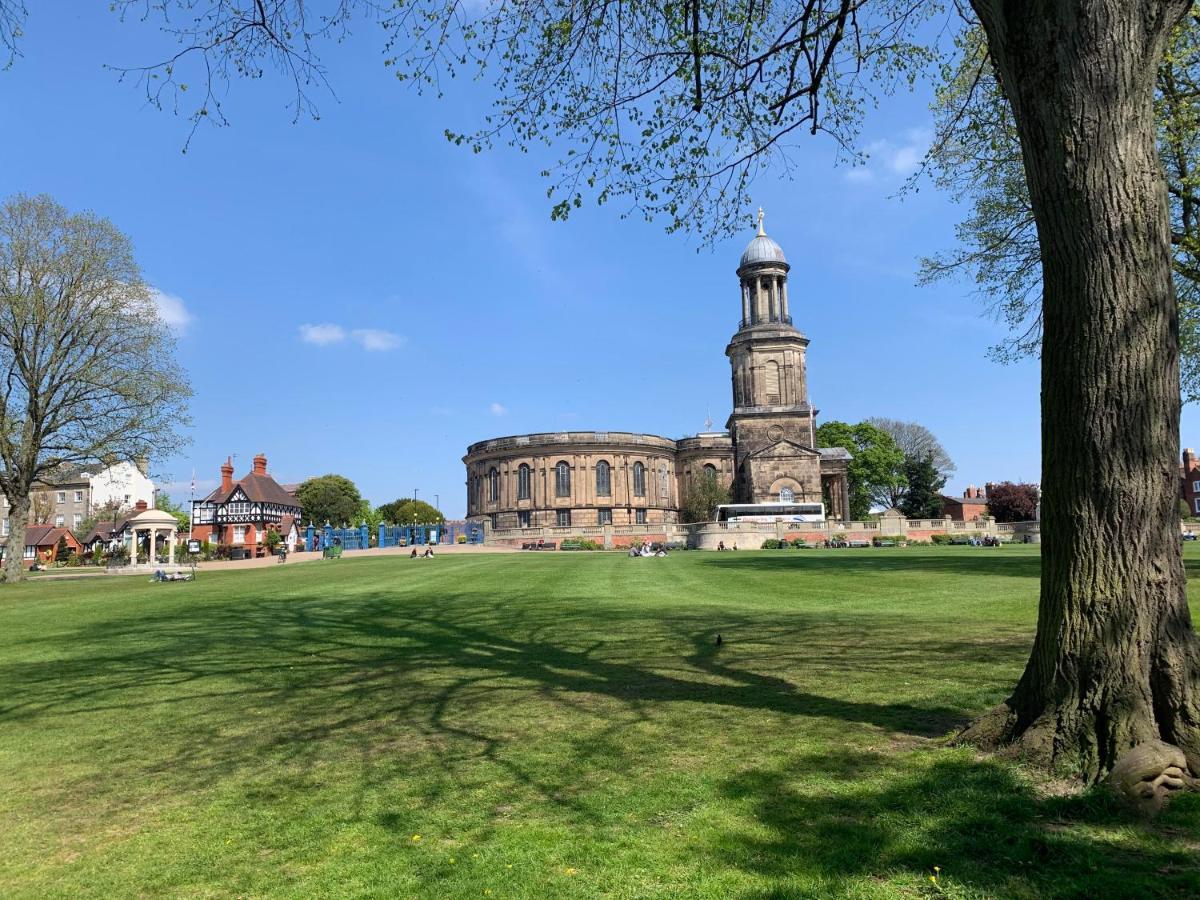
pixel 358 538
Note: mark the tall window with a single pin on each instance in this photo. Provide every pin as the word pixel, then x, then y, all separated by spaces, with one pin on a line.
pixel 564 518
pixel 664 487
pixel 58 521
pixel 523 482
pixel 639 480
pixel 710 470
pixel 79 496
pixel 493 485
pixel 523 518
pixel 603 479
pixel 604 516
pixel 61 497
pixel 239 534
pixel 639 516
pixel 562 480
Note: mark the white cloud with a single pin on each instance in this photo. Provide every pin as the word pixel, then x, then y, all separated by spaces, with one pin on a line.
pixel 498 409
pixel 172 311
pixel 889 159
pixel 325 333
pixel 375 339
pixel 372 339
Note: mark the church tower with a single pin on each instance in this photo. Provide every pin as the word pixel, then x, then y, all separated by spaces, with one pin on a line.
pixel 773 426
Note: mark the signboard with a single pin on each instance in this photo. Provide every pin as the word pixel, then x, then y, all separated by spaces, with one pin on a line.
pixel 193 546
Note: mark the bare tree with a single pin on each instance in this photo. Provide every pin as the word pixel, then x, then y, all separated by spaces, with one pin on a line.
pixel 917 443
pixel 88 363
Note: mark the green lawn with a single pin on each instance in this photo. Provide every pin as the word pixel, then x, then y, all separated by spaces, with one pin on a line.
pixel 545 725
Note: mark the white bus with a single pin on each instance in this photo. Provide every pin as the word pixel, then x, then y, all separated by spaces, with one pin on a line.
pixel 771 512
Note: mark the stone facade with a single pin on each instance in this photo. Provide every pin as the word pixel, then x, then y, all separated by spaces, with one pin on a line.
pixel 581 478
pixel 594 478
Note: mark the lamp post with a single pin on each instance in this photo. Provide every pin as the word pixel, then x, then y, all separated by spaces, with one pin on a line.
pixel 437 501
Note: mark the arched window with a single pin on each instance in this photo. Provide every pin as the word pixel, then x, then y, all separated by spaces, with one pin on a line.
pixel 562 480
pixel 603 479
pixel 639 480
pixel 710 471
pixel 786 495
pixel 523 482
pixel 664 487
pixel 493 485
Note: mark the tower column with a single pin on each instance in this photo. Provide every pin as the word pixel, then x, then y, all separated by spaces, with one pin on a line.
pixel 786 313
pixel 745 303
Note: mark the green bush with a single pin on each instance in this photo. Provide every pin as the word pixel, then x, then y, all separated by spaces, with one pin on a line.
pixel 941 538
pixel 799 543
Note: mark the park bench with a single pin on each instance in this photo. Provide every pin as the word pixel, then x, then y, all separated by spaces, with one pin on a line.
pixel 885 543
pixel 567 545
pixel 333 552
pixel 547 545
pixel 858 543
pixel 960 541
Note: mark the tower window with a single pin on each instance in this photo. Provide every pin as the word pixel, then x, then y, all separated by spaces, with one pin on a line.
pixel 493 485
pixel 603 479
pixel 562 480
pixel 523 482
pixel 564 518
pixel 639 480
pixel 604 516
pixel 786 495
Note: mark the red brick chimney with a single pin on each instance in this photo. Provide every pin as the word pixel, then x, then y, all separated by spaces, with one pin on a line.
pixel 227 474
pixel 260 464
pixel 1189 459
pixel 140 506
pixel 970 492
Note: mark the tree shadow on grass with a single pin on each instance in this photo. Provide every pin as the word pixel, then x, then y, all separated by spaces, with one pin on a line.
pixel 831 821
pixel 966 561
pixel 387 681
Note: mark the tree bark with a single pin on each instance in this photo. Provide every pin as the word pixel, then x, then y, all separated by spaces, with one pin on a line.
pixel 14 551
pixel 1116 661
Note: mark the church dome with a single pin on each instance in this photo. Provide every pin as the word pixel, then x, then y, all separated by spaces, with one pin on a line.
pixel 762 249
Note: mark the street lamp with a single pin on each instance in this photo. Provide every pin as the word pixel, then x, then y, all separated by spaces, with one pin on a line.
pixel 437 501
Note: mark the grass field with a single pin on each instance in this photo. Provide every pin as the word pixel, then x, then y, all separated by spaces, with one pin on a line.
pixel 546 725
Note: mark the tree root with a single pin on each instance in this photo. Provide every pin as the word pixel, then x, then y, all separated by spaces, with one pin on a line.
pixel 1145 776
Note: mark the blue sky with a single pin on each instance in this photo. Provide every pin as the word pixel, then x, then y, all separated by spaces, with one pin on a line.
pixel 355 295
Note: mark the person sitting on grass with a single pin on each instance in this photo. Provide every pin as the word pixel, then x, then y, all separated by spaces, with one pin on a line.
pixel 413 555
pixel 428 550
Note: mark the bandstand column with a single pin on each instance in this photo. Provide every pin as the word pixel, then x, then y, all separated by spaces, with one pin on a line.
pixel 845 498
pixel 153 545
pixel 171 547
pixel 786 312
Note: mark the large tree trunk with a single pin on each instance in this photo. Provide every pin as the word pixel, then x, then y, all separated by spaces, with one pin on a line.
pixel 1115 662
pixel 14 549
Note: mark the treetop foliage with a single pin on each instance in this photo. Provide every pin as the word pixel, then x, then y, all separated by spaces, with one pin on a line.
pixel 329 498
pixel 669 108
pixel 877 466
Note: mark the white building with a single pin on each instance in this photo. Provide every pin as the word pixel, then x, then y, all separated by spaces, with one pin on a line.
pixel 124 482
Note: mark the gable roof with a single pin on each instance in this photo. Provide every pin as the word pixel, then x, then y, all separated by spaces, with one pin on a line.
pixel 46 535
pixel 782 448
pixel 259 488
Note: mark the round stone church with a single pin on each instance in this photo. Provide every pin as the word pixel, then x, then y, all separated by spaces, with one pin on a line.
pixel 767 454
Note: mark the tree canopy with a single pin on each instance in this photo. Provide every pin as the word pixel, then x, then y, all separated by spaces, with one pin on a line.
pixel 917 443
pixel 332 499
pixel 1012 502
pixel 877 468
pixel 923 495
pixel 89 364
pixel 976 157
pixel 701 497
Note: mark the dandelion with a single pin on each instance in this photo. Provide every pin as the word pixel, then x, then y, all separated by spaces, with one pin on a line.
pixel 452 860
pixel 568 870
pixel 416 838
pixel 509 866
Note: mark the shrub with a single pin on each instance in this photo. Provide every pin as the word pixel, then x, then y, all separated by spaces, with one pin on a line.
pixel 119 555
pixel 941 538
pixel 74 561
pixel 799 543
pixel 224 551
pixel 775 544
